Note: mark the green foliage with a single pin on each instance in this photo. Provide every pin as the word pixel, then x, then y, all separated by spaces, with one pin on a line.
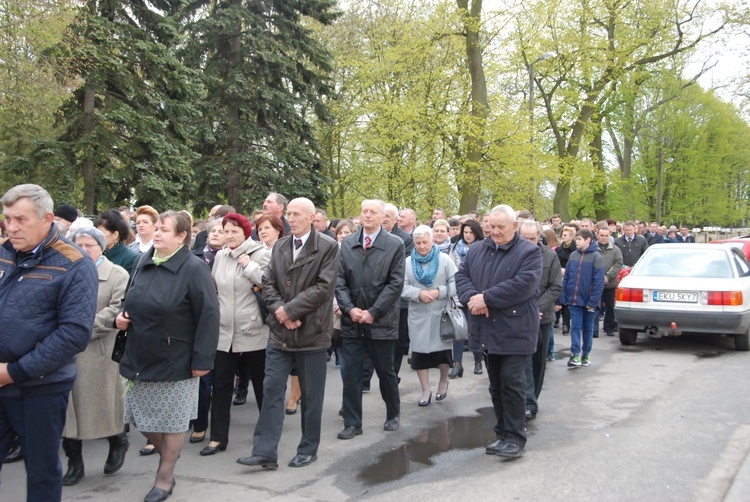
pixel 128 122
pixel 266 79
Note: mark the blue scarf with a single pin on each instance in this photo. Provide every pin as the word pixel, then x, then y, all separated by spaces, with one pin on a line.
pixel 425 274
pixel 461 249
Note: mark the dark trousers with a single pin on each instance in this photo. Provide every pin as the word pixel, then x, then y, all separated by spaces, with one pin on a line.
pixel 400 350
pixel 507 376
pixel 38 421
pixel 225 367
pixel 200 424
pixel 536 367
pixel 311 370
pixel 353 351
pixel 608 305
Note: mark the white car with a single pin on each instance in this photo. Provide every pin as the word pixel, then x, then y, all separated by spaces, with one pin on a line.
pixel 686 288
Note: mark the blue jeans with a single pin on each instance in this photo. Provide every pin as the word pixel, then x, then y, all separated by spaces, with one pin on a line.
pixel 581 329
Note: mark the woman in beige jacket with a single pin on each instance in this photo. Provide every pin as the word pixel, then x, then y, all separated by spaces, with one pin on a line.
pixel 243 334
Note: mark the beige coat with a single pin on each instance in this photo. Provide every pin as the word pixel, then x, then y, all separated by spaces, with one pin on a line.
pixel 241 327
pixel 95 409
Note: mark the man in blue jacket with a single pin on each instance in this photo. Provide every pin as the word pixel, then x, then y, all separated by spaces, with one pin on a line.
pixel 47 305
pixel 498 282
pixel 583 284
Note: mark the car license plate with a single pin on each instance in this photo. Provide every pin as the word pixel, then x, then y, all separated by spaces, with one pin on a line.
pixel 675 296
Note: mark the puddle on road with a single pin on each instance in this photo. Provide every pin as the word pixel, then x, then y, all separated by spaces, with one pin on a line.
pixel 457 433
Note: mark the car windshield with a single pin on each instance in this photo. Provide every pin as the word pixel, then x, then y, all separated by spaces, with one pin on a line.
pixel 704 263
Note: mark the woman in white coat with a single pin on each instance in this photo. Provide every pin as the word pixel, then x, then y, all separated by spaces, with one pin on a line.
pixel 428 285
pixel 242 332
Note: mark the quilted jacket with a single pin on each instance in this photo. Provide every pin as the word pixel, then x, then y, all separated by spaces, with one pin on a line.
pixel 47 309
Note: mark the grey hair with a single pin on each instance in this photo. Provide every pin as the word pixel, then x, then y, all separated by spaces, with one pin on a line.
pixel 212 223
pixel 507 210
pixel 422 231
pixel 374 201
pixel 36 194
pixel 280 199
pixel 390 207
pixel 532 223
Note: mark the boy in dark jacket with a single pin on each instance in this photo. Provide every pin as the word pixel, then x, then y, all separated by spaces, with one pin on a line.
pixel 583 284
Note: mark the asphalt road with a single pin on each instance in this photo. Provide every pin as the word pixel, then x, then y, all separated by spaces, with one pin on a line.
pixel 666 419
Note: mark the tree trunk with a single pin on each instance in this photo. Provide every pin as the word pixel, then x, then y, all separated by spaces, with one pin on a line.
pixel 89 168
pixel 234 176
pixel 470 181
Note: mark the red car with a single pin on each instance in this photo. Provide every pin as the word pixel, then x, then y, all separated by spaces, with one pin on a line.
pixel 741 243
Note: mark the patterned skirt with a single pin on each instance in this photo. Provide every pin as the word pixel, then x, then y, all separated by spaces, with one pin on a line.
pixel 165 407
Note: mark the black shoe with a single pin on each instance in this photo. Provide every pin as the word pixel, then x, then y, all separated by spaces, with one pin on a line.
pixel 530 415
pixel 301 460
pixel 350 432
pixel 341 412
pixel 440 397
pixel 366 387
pixel 197 439
pixel 292 411
pixel 556 324
pixel 457 371
pixel 566 330
pixel 391 425
pixel 610 333
pixel 596 335
pixel 240 398
pixel 478 368
pixel 425 403
pixel 118 446
pixel 75 472
pixel 212 450
pixel 510 450
pixel 494 447
pixel 14 455
pixel 147 451
pixel 157 494
pixel 258 461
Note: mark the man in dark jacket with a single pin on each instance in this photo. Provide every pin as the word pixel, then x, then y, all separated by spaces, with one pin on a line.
pixel 368 291
pixel 498 282
pixel 298 288
pixel 631 244
pixel 48 291
pixel 612 256
pixel 549 291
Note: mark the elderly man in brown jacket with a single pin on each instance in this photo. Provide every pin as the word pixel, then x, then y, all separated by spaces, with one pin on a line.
pixel 298 288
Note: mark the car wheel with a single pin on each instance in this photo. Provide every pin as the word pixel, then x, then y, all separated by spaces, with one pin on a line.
pixel 742 342
pixel 628 336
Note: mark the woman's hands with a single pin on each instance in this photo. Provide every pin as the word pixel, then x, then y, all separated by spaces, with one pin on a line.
pixel 122 321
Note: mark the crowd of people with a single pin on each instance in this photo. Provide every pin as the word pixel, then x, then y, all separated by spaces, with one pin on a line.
pixel 208 308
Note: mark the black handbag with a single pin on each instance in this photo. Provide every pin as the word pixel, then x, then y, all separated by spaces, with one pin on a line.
pixel 262 307
pixel 119 349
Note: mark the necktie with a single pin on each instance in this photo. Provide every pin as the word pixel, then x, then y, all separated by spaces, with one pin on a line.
pixel 297 244
pixel 368 243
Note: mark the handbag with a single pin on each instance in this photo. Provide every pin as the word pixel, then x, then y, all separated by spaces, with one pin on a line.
pixel 454 326
pixel 119 349
pixel 262 307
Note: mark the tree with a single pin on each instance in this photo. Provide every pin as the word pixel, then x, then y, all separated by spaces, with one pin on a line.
pixel 595 45
pixel 125 128
pixel 266 77
pixel 29 91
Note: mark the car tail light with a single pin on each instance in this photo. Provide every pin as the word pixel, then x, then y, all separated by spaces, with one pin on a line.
pixel 629 295
pixel 730 298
